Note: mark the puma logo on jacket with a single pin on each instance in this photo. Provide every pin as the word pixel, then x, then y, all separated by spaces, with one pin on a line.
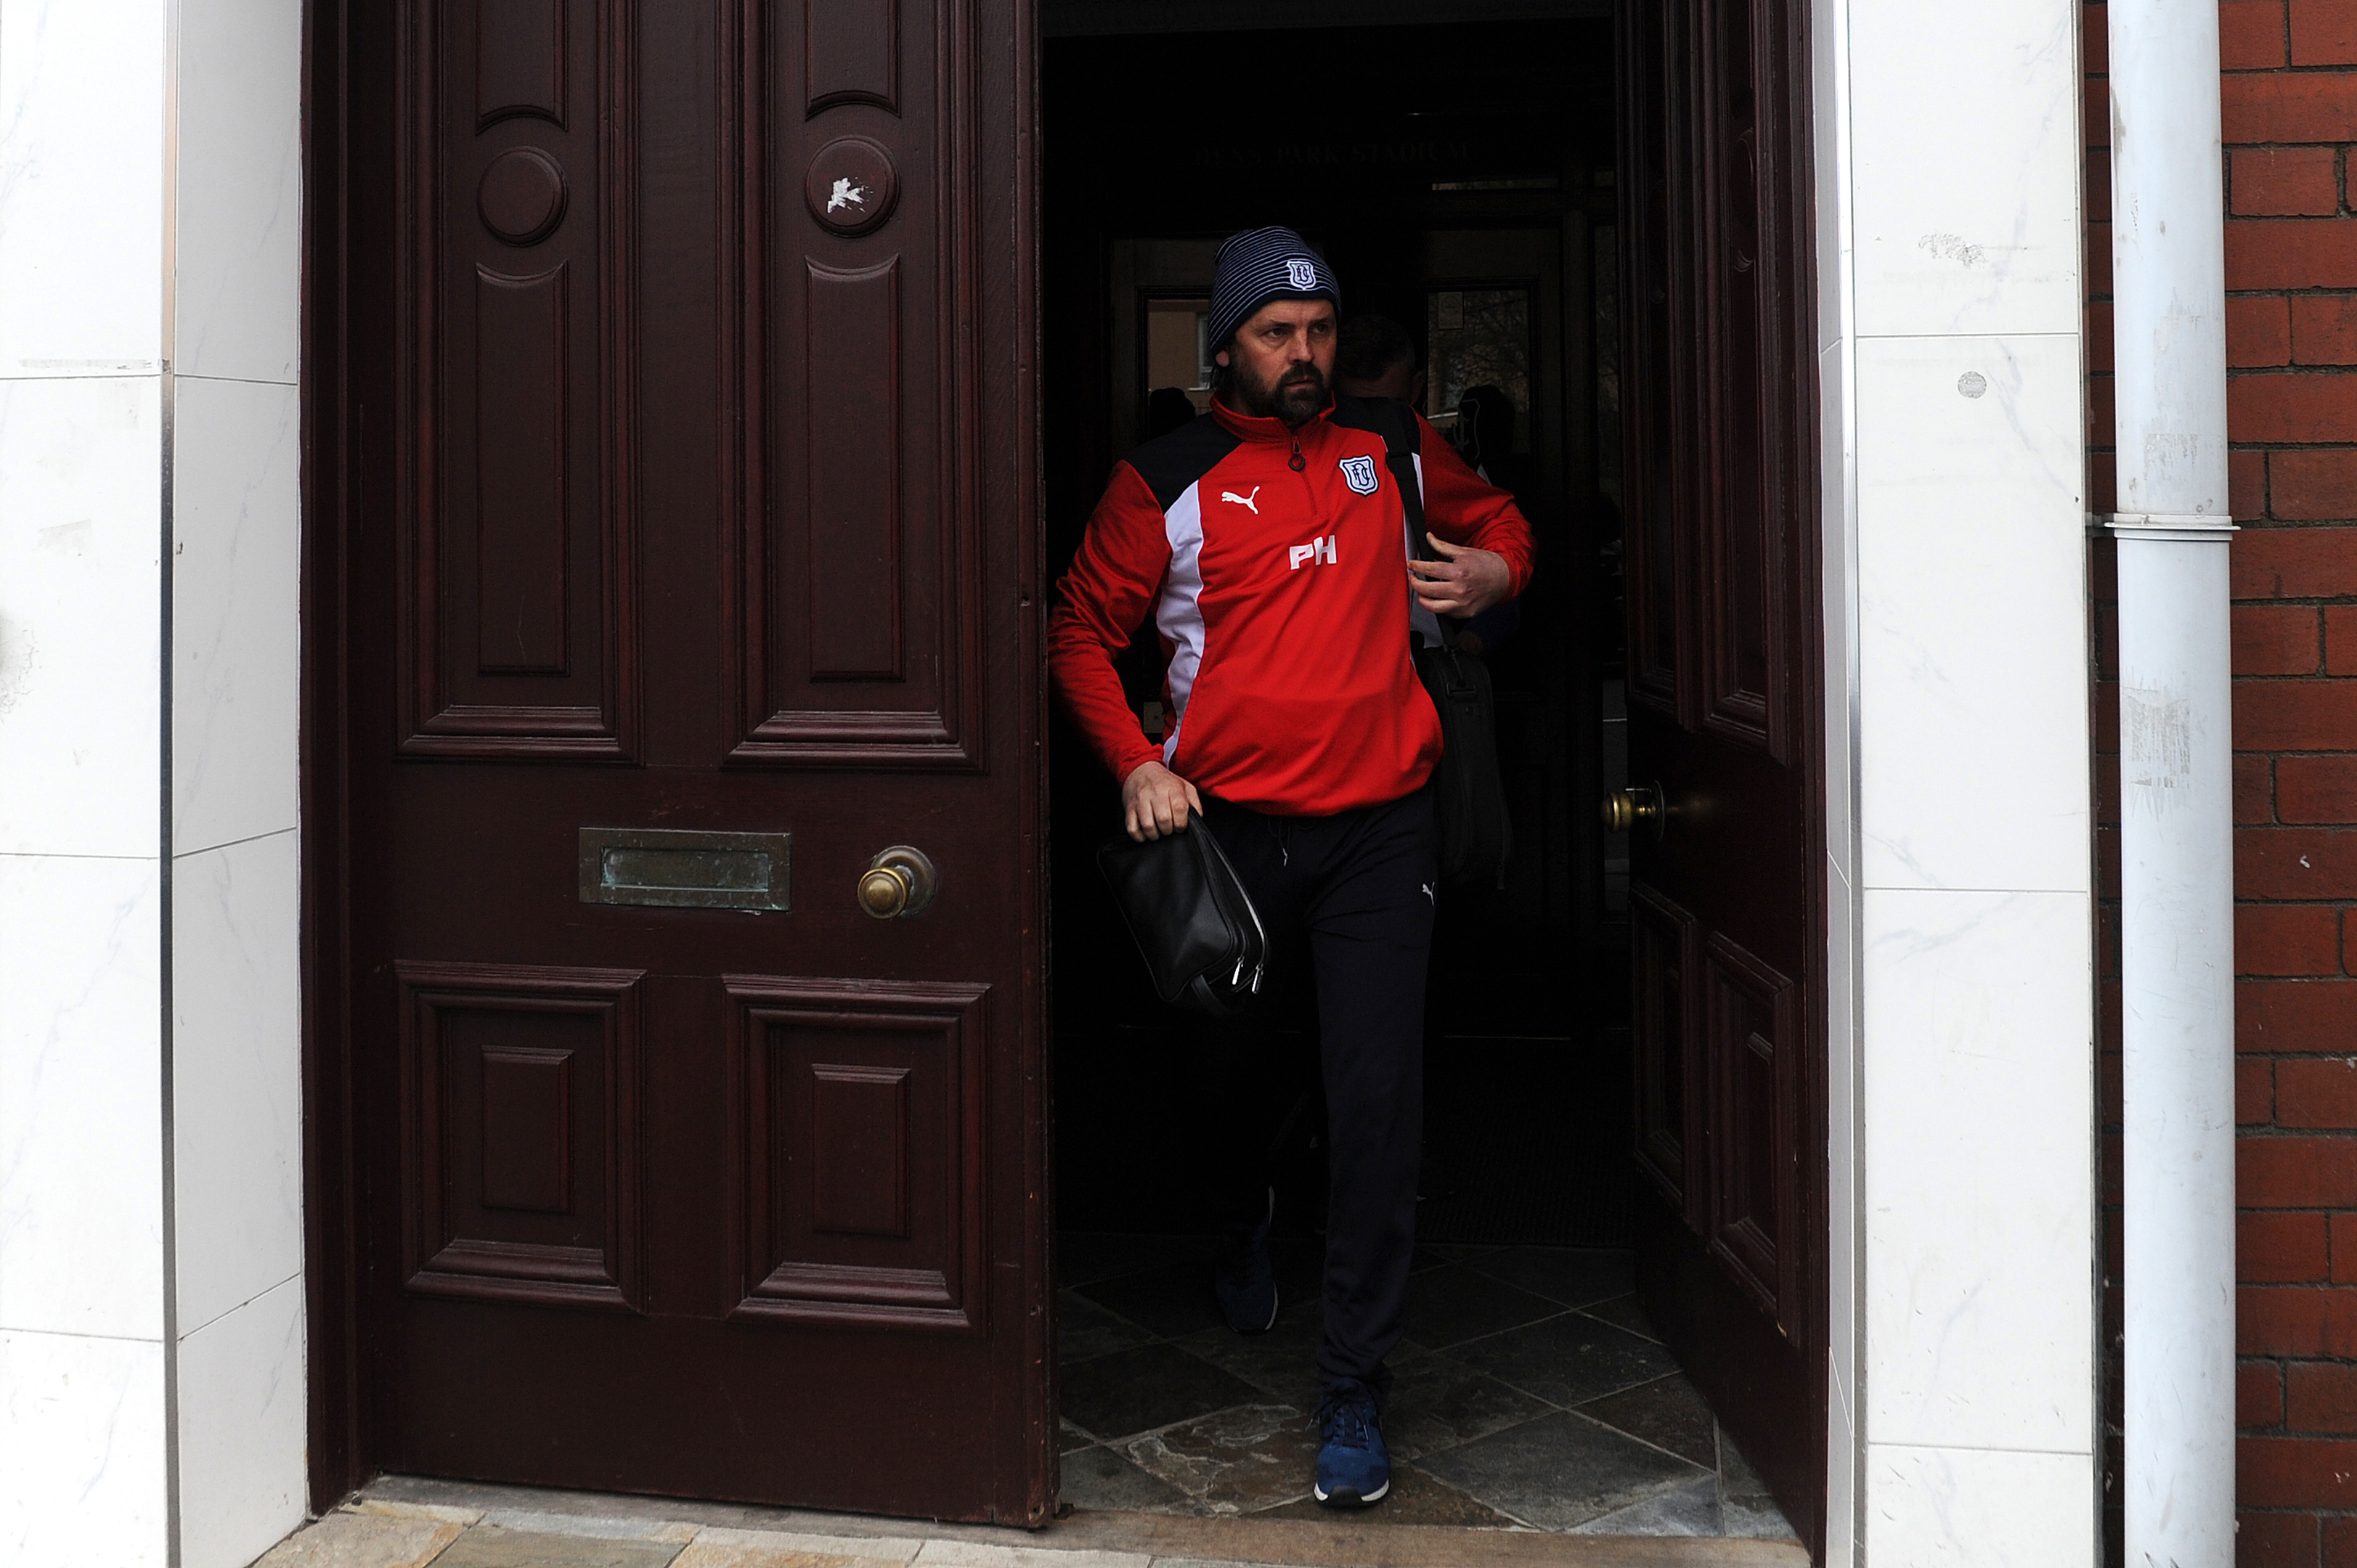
pixel 1292 687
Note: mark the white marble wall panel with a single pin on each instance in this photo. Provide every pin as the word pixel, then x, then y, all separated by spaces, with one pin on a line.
pixel 81 1451
pixel 1955 195
pixel 81 184
pixel 1980 1196
pixel 241 1431
pixel 236 1073
pixel 1978 1507
pixel 1965 131
pixel 239 216
pixel 1972 609
pixel 81 1118
pixel 80 533
pixel 90 175
pixel 236 592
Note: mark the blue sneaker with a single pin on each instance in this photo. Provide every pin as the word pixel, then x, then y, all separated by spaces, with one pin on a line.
pixel 1244 1280
pixel 1355 1468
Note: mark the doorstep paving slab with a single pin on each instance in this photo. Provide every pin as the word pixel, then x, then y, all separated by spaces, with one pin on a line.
pixel 869 1549
pixel 490 1546
pixel 386 1510
pixel 344 1539
pixel 973 1555
pixel 608 1526
pixel 701 1555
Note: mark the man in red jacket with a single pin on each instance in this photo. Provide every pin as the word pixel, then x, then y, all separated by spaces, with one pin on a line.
pixel 1268 539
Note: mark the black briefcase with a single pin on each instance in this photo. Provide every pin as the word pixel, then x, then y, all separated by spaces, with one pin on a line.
pixel 1193 922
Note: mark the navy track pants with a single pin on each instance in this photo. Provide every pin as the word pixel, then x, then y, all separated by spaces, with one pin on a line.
pixel 1348 901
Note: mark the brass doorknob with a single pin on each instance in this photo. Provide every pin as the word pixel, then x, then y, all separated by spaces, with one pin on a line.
pixel 899 882
pixel 1624 809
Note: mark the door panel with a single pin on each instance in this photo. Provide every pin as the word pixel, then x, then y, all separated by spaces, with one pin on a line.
pixel 514 294
pixel 857 527
pixel 691 490
pixel 858 1184
pixel 1754 1125
pixel 522 1137
pixel 1726 900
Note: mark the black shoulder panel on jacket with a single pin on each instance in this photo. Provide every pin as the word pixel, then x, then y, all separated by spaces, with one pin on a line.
pixel 1388 416
pixel 1168 464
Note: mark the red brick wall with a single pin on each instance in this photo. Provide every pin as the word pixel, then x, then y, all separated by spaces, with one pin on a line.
pixel 2289 94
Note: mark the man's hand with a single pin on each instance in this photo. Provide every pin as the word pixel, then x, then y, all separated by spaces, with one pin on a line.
pixel 1464 583
pixel 1155 801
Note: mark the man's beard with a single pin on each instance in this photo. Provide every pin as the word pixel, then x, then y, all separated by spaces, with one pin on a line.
pixel 1295 398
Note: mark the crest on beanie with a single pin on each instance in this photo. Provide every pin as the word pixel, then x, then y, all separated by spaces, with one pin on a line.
pixel 1301 272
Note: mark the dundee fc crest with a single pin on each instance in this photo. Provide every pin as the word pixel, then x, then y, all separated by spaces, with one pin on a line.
pixel 1359 473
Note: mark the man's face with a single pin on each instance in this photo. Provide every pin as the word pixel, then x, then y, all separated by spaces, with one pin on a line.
pixel 1283 359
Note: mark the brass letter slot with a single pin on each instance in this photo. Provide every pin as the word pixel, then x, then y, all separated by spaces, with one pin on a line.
pixel 672 869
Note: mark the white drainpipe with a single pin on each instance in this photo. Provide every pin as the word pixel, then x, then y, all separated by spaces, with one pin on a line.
pixel 2176 925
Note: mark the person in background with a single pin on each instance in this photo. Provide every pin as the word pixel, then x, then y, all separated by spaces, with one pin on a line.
pixel 1376 358
pixel 1166 410
pixel 1484 437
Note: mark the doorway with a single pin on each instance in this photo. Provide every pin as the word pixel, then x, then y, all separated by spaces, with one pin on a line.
pixel 1465 180
pixel 670 1128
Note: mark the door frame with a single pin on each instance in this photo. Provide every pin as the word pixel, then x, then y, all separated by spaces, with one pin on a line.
pixel 339 1456
pixel 336 1451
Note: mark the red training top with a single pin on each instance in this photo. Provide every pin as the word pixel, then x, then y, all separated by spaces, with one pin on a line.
pixel 1280 591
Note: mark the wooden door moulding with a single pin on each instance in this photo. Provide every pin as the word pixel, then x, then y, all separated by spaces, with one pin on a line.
pixel 598 1270
pixel 1659 425
pixel 1757 339
pixel 913 1051
pixel 851 54
pixel 1666 953
pixel 861 403
pixel 1764 1259
pixel 573 692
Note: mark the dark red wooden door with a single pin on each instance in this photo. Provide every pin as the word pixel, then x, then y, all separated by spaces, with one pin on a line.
pixel 688 562
pixel 1727 884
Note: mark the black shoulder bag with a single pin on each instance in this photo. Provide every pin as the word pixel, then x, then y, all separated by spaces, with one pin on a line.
pixel 1475 834
pixel 1192 920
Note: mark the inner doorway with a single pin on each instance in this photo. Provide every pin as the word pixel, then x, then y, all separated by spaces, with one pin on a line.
pixel 1570 1364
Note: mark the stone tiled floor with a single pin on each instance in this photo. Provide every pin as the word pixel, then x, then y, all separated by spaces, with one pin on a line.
pixel 1531 1394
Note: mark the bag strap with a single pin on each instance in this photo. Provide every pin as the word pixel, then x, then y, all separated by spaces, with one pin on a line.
pixel 1396 420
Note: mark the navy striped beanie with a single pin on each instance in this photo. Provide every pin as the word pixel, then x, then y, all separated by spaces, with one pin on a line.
pixel 1262 264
